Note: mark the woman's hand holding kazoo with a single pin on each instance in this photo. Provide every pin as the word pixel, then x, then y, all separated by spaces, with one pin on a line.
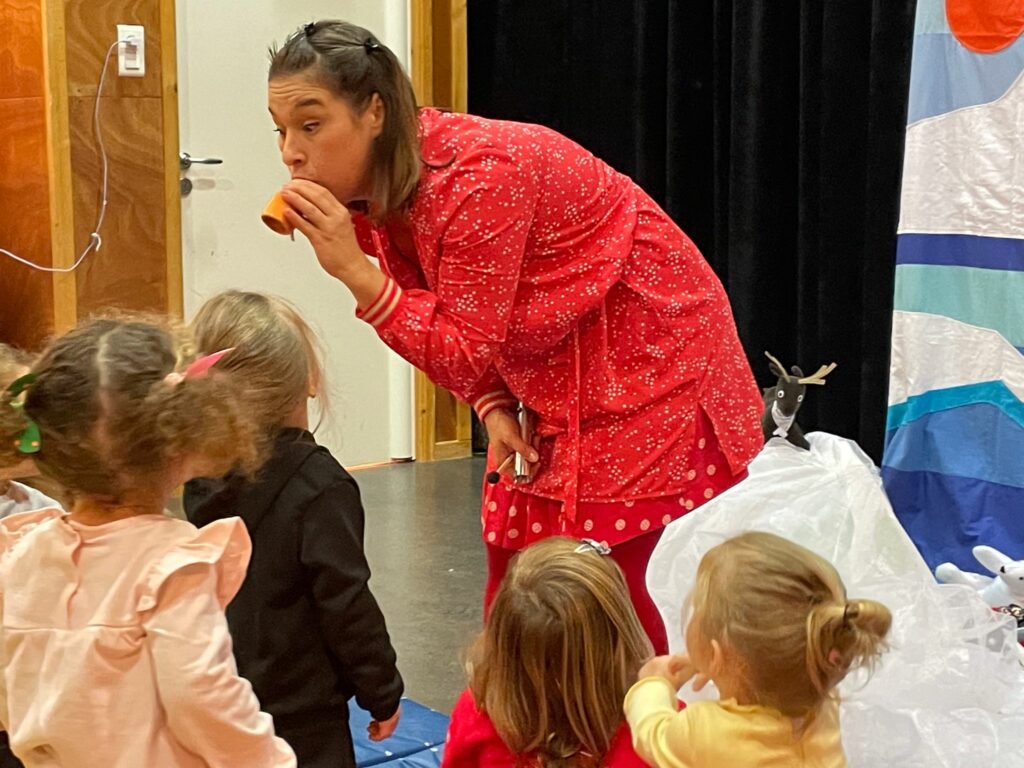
pixel 327 224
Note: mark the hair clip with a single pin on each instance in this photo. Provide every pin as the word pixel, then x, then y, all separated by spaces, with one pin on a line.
pixel 371 45
pixel 850 614
pixel 589 545
pixel 198 368
pixel 30 440
pixel 19 385
pixel 309 29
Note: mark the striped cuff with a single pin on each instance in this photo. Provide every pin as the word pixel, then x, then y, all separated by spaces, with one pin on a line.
pixel 492 400
pixel 380 309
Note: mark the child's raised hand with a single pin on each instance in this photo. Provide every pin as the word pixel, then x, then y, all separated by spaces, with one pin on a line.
pixel 382 729
pixel 677 669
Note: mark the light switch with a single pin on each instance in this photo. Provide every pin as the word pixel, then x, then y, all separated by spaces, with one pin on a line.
pixel 131 52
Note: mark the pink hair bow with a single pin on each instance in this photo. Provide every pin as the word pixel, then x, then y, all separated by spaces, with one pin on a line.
pixel 198 368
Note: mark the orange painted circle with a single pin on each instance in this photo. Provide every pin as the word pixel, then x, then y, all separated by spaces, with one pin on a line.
pixel 985 26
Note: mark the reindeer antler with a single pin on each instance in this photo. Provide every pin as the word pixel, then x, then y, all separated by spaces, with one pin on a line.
pixel 779 369
pixel 818 377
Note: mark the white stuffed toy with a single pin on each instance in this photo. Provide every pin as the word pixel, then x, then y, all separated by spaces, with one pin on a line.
pixel 1005 587
pixel 1004 590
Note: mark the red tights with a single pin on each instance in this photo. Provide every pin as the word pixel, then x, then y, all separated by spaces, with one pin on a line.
pixel 632 557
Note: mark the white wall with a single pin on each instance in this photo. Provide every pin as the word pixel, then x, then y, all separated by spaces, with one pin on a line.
pixel 222 72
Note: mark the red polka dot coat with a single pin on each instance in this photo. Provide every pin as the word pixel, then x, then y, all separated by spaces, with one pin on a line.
pixel 529 270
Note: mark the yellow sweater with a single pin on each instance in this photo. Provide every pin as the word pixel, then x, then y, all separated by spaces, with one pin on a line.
pixel 724 734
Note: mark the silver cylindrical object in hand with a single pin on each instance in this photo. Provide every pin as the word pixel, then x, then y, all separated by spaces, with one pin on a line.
pixel 524 469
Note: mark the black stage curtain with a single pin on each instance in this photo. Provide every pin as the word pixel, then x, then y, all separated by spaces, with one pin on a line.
pixel 772 132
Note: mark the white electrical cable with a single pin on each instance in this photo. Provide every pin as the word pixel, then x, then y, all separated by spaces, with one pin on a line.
pixel 95 241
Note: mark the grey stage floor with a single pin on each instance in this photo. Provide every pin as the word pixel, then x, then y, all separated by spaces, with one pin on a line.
pixel 427 558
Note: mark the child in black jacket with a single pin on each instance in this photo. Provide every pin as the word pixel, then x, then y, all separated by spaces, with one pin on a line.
pixel 307 631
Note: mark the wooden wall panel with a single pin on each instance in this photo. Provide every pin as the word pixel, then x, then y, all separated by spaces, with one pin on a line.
pixel 51 54
pixel 130 271
pixel 58 138
pixel 91 29
pixel 449 55
pixel 21 49
pixel 26 298
pixel 172 193
pixel 439 77
pixel 421 23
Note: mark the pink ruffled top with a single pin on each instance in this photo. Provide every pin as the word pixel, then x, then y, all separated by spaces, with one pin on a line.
pixel 115 650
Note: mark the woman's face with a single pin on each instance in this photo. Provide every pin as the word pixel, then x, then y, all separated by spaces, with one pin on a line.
pixel 321 137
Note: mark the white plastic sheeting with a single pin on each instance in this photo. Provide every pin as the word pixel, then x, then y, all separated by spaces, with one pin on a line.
pixel 950 692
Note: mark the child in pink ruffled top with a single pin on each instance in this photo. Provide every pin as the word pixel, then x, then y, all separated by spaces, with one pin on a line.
pixel 115 651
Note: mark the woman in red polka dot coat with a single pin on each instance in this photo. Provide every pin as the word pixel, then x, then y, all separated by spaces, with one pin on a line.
pixel 511 265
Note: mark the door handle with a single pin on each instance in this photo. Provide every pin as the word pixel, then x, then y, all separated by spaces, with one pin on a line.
pixel 186 161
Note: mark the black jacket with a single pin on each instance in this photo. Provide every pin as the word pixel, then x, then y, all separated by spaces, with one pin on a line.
pixel 307 632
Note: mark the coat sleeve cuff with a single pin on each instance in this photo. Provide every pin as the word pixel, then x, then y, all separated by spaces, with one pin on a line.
pixel 381 308
pixel 493 400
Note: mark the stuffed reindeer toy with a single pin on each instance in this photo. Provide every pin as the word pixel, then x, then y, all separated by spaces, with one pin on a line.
pixel 782 401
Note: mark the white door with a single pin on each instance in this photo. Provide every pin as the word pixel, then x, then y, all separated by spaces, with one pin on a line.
pixel 222 105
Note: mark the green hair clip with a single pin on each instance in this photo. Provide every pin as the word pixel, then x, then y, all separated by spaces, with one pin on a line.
pixel 30 439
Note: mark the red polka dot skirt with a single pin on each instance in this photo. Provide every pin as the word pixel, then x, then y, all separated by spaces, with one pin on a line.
pixel 513 518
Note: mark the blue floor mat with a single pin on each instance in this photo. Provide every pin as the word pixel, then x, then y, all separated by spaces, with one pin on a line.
pixel 418 742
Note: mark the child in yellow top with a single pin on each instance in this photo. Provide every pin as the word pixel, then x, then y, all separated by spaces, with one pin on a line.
pixel 772 627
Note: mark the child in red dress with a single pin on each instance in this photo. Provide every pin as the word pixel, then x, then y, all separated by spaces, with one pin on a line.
pixel 550 670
